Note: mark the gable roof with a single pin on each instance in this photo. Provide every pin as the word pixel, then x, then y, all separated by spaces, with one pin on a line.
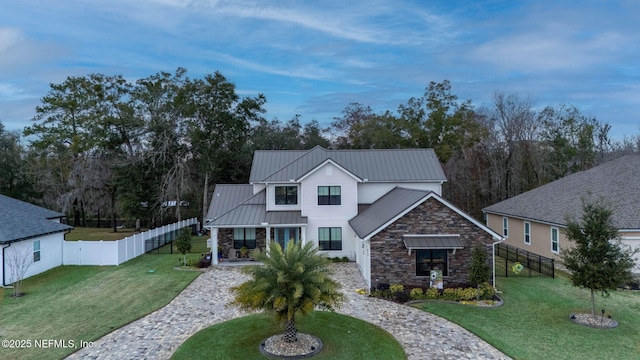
pixel 389 165
pixel 236 205
pixel 20 220
pixel 618 181
pixel 395 204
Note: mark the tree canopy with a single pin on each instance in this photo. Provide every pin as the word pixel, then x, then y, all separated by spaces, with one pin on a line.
pixel 598 261
pixel 293 280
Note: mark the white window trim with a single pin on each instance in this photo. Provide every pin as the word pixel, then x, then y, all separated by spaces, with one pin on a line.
pixel 505 226
pixel 330 240
pixel 525 232
pixel 557 239
pixel 39 251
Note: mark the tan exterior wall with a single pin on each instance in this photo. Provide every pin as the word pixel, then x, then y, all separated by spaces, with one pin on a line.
pixel 540 235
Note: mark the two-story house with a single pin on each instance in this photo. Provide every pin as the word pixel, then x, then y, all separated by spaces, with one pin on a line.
pixel 381 208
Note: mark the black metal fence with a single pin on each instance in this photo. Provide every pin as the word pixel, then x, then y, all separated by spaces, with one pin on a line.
pixel 534 264
pixel 157 242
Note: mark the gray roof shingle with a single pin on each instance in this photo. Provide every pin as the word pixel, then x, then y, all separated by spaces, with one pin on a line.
pixel 618 181
pixel 397 165
pixel 20 220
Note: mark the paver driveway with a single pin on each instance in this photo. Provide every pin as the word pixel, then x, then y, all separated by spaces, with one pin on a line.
pixel 203 303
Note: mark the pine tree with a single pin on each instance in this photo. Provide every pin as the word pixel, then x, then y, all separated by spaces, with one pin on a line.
pixel 598 261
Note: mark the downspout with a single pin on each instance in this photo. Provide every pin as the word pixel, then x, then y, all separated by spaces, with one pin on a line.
pixel 493 259
pixel 4 273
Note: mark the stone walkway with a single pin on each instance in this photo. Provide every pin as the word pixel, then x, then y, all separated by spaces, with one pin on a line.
pixel 203 303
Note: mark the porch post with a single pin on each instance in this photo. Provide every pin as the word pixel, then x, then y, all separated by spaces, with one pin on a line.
pixel 214 245
pixel 303 232
pixel 268 242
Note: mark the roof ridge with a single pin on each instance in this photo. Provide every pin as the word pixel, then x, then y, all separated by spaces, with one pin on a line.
pixel 296 159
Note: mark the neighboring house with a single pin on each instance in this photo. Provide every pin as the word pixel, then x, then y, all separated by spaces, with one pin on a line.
pixel 535 220
pixel 381 208
pixel 31 227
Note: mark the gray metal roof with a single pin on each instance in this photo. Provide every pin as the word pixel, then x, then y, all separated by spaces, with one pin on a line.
pixel 618 181
pixel 435 241
pixel 20 220
pixel 385 209
pixel 226 197
pixel 235 205
pixel 397 165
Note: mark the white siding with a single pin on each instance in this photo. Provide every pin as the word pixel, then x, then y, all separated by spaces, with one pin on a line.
pixel 363 259
pixel 271 198
pixel 330 215
pixel 50 254
pixel 634 243
pixel 369 192
pixel 257 188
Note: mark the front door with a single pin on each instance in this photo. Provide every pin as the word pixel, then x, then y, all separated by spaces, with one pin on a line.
pixel 284 235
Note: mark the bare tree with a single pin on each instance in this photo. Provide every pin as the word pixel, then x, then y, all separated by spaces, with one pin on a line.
pixel 18 259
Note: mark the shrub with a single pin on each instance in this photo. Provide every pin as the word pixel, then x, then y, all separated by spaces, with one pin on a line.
pixel 396 288
pixel 401 296
pixel 432 294
pixel 417 294
pixel 487 291
pixel 345 259
pixel 193 261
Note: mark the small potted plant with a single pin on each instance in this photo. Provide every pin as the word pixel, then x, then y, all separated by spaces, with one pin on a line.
pixel 244 252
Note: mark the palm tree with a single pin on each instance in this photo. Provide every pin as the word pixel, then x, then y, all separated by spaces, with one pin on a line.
pixel 290 281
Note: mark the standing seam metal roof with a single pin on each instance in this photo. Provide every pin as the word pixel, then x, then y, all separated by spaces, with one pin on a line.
pixel 235 205
pixel 385 209
pixel 397 165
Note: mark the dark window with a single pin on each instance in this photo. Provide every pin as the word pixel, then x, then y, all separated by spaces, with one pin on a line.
pixel 244 237
pixel 286 195
pixel 329 195
pixel 330 238
pixel 427 260
pixel 36 251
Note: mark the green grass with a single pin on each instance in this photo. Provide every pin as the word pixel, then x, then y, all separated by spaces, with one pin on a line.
pixel 87 302
pixel 198 246
pixel 95 234
pixel 534 321
pixel 343 337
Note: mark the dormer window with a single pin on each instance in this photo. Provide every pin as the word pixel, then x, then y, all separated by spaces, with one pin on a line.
pixel 286 195
pixel 329 195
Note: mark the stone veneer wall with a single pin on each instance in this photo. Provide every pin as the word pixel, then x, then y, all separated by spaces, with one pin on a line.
pixel 391 263
pixel 225 238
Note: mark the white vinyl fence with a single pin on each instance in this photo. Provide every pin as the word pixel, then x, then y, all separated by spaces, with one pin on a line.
pixel 83 252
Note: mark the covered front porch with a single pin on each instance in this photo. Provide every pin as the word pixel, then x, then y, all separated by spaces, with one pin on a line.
pixel 225 240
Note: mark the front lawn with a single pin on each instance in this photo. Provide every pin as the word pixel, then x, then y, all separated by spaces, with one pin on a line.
pixel 86 302
pixel 343 337
pixel 106 234
pixel 534 321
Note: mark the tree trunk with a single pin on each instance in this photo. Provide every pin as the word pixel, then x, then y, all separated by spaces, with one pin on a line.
pixel 593 304
pixel 204 197
pixel 290 333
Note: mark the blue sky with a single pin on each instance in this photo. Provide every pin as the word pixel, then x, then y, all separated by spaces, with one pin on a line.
pixel 313 58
